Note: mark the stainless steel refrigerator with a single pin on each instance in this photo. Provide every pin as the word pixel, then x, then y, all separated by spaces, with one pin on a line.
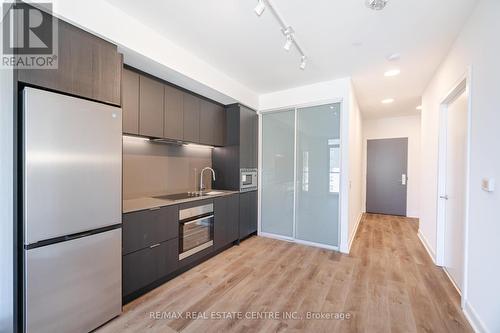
pixel 72 175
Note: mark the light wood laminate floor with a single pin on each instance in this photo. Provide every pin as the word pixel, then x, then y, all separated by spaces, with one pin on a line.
pixel 387 284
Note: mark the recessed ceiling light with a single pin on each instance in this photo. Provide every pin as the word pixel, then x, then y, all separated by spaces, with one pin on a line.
pixel 392 72
pixel 393 57
pixel 388 101
pixel 419 107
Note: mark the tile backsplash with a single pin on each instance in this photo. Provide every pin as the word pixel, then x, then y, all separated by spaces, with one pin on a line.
pixel 151 168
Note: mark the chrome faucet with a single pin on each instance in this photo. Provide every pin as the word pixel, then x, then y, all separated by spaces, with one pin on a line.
pixel 202 187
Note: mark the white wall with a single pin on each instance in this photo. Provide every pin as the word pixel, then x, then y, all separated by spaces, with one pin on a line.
pixel 328 91
pixel 397 127
pixel 356 125
pixel 303 95
pixel 478 46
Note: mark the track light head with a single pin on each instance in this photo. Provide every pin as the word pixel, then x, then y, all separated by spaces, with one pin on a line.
pixel 303 62
pixel 259 9
pixel 288 33
pixel 376 4
pixel 288 42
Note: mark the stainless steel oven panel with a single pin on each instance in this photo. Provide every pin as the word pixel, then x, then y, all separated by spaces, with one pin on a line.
pixel 188 213
pixel 195 250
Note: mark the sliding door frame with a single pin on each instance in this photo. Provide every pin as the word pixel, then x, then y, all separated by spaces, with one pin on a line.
pixel 342 193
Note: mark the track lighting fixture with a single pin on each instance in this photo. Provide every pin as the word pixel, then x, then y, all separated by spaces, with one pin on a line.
pixel 303 62
pixel 287 30
pixel 259 9
pixel 288 42
pixel 376 4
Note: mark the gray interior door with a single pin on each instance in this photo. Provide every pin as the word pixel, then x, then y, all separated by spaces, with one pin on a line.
pixel 386 176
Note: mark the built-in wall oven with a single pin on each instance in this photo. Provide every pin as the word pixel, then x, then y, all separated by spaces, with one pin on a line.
pixel 196 229
pixel 248 179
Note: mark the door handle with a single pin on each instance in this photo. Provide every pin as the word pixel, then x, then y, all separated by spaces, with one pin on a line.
pixel 154 245
pixel 445 197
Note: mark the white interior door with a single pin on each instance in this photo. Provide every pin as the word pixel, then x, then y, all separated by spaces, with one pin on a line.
pixel 456 162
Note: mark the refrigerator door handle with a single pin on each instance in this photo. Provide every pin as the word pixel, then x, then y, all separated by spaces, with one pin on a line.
pixel 83 234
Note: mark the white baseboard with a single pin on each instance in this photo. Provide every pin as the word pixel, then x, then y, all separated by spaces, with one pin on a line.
pixel 470 314
pixel 426 246
pixel 353 235
pixel 476 323
pixel 452 281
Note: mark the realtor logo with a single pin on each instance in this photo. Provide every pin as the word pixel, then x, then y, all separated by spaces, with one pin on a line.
pixel 29 36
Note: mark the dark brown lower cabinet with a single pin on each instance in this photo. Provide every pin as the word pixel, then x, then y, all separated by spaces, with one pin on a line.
pixel 148 265
pixel 226 225
pixel 148 227
pixel 151 241
pixel 248 213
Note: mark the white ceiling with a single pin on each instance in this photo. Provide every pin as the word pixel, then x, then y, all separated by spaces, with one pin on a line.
pixel 340 37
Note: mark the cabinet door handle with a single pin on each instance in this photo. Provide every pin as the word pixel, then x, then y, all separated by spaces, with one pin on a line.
pixel 155 208
pixel 154 245
pixel 197 220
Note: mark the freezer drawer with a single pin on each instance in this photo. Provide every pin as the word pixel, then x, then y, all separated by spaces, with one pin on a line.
pixel 72 166
pixel 73 286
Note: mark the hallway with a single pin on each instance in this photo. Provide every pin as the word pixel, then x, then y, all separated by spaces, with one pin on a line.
pixel 388 283
pixel 405 291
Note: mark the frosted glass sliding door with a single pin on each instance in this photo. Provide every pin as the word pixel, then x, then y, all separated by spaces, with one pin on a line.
pixel 318 174
pixel 301 174
pixel 277 190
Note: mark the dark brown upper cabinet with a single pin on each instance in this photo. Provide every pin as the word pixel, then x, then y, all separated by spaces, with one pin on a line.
pixel 212 124
pixel 191 121
pixel 155 109
pixel 150 107
pixel 173 127
pixel 240 147
pixel 88 66
pixel 130 101
pixel 249 124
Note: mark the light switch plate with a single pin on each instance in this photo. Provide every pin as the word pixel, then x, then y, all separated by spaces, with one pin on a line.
pixel 488 184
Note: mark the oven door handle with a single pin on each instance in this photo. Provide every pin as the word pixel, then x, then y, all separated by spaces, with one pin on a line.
pixel 197 220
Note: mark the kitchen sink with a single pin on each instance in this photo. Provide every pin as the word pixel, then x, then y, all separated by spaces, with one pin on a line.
pixel 187 195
